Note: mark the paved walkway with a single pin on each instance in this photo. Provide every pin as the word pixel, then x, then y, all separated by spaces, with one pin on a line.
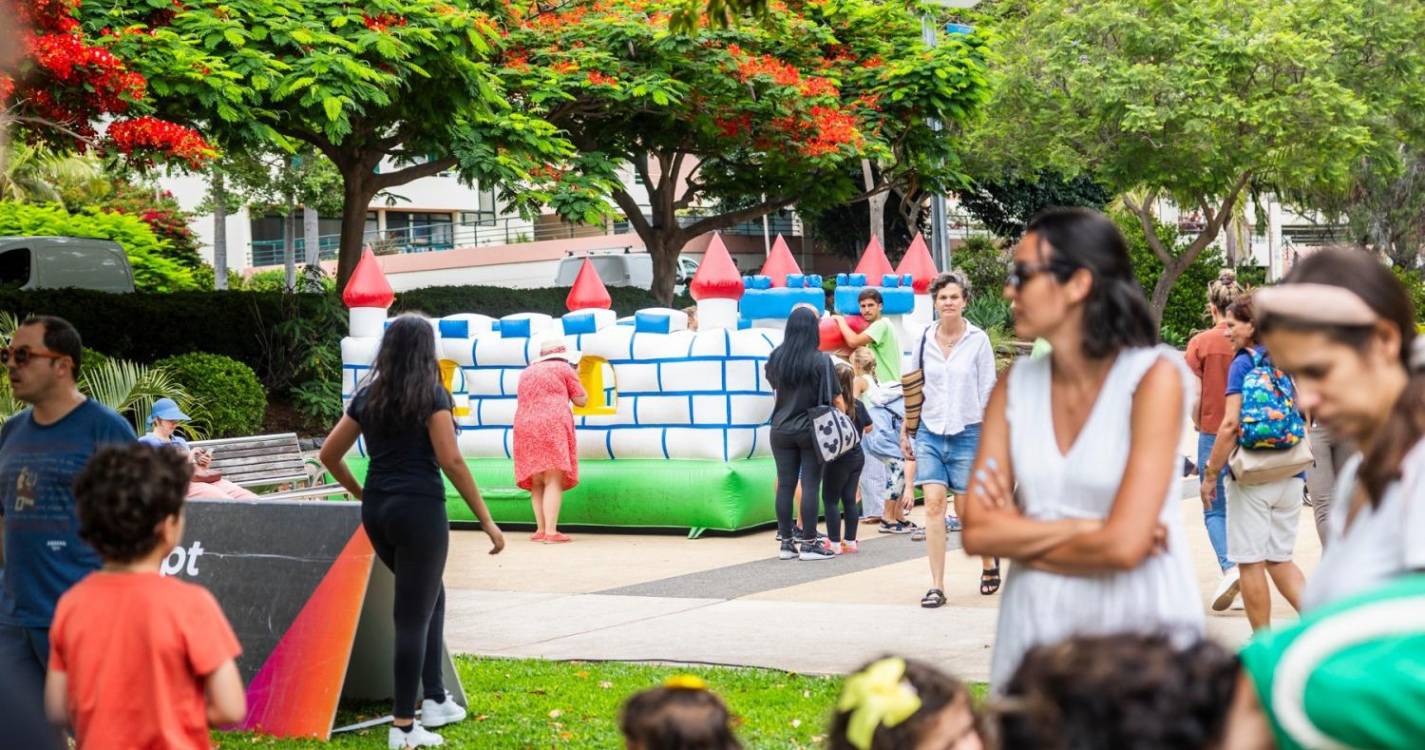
pixel 726 599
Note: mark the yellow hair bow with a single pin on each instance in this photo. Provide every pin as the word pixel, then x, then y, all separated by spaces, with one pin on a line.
pixel 686 682
pixel 877 696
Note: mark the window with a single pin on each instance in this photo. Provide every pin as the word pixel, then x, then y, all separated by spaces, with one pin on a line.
pixel 15 268
pixel 420 230
pixel 486 210
pixel 597 377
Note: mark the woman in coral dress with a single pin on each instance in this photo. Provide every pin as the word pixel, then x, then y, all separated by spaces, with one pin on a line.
pixel 546 455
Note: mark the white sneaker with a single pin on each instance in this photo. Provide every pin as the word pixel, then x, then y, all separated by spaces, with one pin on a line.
pixel 1227 589
pixel 439 714
pixel 417 737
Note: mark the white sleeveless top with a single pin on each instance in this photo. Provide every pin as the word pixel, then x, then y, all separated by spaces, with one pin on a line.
pixel 1039 607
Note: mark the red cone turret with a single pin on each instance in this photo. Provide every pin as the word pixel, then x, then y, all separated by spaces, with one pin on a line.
pixel 779 263
pixel 874 263
pixel 918 263
pixel 717 276
pixel 367 286
pixel 588 290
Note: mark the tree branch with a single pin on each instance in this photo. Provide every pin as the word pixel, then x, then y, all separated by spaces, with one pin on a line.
pixel 633 212
pixel 723 221
pixel 1144 212
pixel 414 172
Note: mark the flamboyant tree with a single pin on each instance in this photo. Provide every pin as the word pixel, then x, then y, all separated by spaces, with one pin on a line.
pixel 382 81
pixel 1199 102
pixel 753 118
pixel 66 83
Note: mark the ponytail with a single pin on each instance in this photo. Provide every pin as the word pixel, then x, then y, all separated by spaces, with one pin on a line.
pixel 1402 430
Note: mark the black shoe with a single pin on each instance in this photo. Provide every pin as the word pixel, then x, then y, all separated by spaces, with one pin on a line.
pixel 788 551
pixel 817 550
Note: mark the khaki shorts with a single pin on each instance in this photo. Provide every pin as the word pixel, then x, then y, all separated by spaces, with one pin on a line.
pixel 1262 519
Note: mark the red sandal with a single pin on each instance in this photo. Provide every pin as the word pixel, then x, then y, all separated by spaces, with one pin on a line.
pixel 557 538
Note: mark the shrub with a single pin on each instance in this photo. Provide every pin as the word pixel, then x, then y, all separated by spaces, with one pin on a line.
pixel 228 399
pixel 984 263
pixel 1414 286
pixel 92 360
pixel 153 272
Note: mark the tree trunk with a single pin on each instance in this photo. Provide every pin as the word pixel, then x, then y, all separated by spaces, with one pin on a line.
pixel 1158 301
pixel 876 203
pixel 664 253
pixel 289 245
pixel 220 231
pixel 356 198
pixel 311 236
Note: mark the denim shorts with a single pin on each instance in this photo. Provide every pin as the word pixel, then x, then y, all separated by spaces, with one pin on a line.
pixel 946 459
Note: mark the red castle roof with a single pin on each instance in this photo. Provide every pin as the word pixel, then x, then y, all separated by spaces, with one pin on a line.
pixel 874 263
pixel 779 263
pixel 588 290
pixel 918 263
pixel 717 276
pixel 367 286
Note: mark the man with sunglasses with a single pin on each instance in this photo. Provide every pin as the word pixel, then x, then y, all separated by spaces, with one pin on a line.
pixel 42 450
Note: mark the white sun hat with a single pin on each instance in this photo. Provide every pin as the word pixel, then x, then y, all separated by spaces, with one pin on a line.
pixel 556 348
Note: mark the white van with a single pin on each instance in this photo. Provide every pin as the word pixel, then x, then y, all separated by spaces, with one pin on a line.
pixel 615 269
pixel 60 262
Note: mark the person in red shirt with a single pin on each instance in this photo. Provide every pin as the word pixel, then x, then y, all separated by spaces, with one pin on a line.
pixel 137 659
pixel 1209 355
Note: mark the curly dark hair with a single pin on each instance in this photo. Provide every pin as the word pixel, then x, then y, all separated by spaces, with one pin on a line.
pixel 936 691
pixel 1120 692
pixel 124 492
pixel 677 718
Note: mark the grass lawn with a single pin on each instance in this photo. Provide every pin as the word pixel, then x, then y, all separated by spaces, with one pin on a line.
pixel 529 703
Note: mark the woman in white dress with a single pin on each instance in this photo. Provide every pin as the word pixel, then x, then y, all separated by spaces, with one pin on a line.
pixel 1089 436
pixel 1343 326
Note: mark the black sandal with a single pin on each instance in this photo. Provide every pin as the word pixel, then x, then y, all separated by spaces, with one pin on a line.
pixel 932 599
pixel 989 579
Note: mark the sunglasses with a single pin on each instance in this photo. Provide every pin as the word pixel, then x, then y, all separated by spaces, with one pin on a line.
pixel 21 355
pixel 1020 272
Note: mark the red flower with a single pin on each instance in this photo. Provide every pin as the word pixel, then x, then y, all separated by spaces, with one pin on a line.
pixel 595 78
pixel 149 134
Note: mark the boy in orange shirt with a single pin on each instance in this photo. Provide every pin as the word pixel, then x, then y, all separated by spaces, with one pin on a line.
pixel 138 659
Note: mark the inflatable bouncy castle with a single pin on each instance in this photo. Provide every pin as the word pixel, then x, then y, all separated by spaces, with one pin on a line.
pixel 675 431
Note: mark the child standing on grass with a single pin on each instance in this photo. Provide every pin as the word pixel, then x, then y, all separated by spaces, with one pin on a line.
pixel 138 659
pixel 681 715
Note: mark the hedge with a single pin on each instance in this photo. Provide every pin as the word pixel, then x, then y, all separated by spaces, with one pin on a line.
pixel 147 327
pixel 230 402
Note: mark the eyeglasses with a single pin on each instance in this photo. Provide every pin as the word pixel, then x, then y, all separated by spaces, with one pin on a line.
pixel 1020 272
pixel 22 355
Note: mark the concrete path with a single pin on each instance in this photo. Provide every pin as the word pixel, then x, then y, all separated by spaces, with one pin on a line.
pixel 728 600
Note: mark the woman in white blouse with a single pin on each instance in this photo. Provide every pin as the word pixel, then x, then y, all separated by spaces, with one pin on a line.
pixel 1342 325
pixel 959 366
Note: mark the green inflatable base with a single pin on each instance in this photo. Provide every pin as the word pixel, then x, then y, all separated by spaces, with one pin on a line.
pixel 631 493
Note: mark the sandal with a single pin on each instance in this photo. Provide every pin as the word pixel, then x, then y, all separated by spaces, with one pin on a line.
pixel 989 579
pixel 537 536
pixel 932 599
pixel 557 538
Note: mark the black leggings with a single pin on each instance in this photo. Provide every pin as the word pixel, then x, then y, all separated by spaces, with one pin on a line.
pixel 838 494
pixel 796 456
pixel 410 534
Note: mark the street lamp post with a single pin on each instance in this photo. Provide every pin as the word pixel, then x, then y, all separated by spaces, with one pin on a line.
pixel 939 231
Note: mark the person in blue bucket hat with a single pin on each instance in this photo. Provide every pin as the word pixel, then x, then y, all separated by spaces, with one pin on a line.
pixel 206 483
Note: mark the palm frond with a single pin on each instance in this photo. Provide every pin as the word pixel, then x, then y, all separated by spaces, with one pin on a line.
pixel 131 389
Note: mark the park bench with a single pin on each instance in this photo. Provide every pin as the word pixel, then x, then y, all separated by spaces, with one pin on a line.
pixel 260 462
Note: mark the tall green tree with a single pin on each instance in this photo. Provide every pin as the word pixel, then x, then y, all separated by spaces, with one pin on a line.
pixel 1006 203
pixel 754 117
pixel 405 82
pixel 1192 101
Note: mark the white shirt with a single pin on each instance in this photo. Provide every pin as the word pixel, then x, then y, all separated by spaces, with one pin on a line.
pixel 957 389
pixel 1380 544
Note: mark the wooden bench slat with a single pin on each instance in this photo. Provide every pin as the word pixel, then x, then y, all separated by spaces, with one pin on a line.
pixel 259 460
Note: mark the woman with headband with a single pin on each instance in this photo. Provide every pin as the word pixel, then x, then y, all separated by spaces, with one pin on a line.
pixel 1342 324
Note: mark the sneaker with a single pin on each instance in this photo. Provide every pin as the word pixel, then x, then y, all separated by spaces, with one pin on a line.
pixel 850 548
pixel 1226 590
pixel 439 714
pixel 888 528
pixel 904 527
pixel 918 535
pixel 398 739
pixel 817 550
pixel 952 523
pixel 788 551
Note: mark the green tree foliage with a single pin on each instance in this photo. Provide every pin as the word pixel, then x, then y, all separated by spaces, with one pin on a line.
pixel 757 116
pixel 383 80
pixel 1006 204
pixel 1186 311
pixel 1193 101
pixel 153 270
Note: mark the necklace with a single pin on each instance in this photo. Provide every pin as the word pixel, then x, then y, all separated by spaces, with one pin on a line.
pixel 948 343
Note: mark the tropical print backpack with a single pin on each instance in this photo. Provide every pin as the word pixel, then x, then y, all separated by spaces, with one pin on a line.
pixel 1270 420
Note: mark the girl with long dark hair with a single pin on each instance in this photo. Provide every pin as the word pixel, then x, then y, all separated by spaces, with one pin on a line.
pixel 1089 435
pixel 403 413
pixel 1343 325
pixel 801 376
